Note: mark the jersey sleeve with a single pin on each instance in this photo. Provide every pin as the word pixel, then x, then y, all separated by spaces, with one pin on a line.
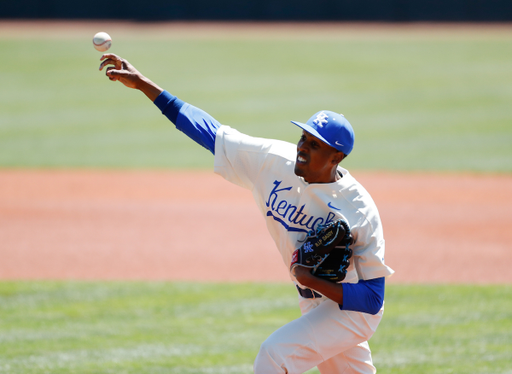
pixel 369 249
pixel 194 122
pixel 239 158
pixel 365 296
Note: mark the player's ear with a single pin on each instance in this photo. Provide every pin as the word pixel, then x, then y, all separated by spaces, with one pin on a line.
pixel 338 157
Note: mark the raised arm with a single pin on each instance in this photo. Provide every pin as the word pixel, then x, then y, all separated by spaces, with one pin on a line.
pixel 194 122
pixel 118 69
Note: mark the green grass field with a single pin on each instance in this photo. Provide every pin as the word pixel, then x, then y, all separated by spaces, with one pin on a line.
pixel 161 327
pixel 418 100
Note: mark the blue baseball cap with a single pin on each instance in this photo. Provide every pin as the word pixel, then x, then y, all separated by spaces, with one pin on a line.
pixel 332 128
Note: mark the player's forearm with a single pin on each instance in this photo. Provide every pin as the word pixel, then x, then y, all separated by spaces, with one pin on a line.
pixel 333 291
pixel 149 88
pixel 366 296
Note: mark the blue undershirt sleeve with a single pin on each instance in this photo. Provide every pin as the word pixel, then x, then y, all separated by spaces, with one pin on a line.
pixel 366 296
pixel 194 122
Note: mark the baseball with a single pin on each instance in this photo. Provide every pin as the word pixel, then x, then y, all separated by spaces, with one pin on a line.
pixel 102 41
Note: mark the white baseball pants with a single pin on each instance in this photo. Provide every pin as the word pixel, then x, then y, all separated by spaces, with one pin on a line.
pixel 334 340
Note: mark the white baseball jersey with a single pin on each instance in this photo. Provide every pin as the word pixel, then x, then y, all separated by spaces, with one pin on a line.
pixel 292 207
pixel 326 335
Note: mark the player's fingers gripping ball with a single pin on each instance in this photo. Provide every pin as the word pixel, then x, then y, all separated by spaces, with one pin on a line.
pixel 326 251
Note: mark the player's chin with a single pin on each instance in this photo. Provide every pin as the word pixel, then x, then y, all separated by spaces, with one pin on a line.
pixel 299 169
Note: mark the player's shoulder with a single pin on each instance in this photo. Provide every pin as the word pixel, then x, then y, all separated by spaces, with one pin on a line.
pixel 278 148
pixel 348 183
pixel 355 194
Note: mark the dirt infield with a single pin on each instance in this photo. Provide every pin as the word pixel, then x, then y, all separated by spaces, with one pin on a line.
pixel 162 225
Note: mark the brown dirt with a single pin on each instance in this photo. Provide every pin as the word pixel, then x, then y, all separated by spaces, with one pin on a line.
pixel 163 225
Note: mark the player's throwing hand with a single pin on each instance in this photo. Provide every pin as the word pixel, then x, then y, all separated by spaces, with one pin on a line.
pixel 121 70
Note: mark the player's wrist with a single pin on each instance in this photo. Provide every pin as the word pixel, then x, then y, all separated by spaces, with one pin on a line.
pixel 333 291
pixel 150 89
pixel 303 275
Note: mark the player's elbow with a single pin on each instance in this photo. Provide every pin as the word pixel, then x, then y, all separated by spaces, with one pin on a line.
pixel 375 295
pixel 364 296
pixel 375 302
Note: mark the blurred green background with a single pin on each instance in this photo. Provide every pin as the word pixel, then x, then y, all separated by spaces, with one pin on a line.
pixel 421 100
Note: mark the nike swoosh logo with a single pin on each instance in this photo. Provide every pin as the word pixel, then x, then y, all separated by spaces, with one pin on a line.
pixel 336 142
pixel 332 207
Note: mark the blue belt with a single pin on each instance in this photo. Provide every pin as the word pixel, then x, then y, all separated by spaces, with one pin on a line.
pixel 308 293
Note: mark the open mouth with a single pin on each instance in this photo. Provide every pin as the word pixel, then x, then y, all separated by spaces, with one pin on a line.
pixel 301 159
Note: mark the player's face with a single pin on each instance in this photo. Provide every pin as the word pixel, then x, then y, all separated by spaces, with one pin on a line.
pixel 316 161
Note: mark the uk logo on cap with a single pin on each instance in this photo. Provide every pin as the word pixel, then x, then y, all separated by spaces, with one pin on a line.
pixel 332 128
pixel 321 119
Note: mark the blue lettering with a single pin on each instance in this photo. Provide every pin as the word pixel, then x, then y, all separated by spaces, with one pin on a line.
pixel 274 192
pixel 301 222
pixel 317 222
pixel 292 209
pixel 281 206
pixel 286 226
pixel 297 215
pixel 330 218
pixel 291 214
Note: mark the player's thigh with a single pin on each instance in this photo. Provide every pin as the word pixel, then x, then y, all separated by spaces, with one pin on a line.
pixel 336 331
pixel 290 349
pixel 356 360
pixel 306 342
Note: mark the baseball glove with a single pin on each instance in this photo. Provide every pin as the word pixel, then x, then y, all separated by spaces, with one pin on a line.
pixel 326 251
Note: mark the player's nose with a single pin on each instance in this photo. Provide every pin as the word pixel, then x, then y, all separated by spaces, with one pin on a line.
pixel 302 146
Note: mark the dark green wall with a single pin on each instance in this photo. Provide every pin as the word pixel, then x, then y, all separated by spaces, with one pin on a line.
pixel 271 10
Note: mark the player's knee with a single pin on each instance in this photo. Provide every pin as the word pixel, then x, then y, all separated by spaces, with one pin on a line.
pixel 269 360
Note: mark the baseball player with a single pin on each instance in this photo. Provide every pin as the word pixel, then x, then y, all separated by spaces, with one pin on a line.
pixel 297 188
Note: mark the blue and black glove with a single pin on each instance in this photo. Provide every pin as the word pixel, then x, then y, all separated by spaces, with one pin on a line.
pixel 326 251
